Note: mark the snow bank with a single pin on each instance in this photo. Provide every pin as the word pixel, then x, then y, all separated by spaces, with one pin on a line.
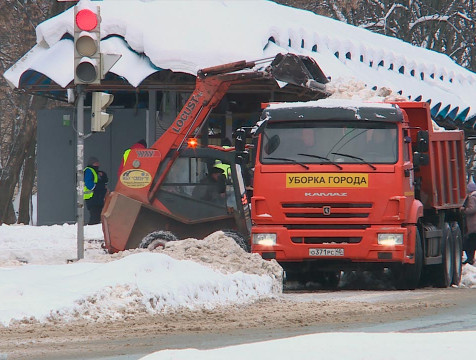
pixel 188 274
pixel 337 346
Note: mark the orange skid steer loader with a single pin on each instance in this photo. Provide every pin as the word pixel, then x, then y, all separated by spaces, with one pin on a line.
pixel 160 193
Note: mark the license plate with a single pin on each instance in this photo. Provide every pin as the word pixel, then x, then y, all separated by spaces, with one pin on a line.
pixel 326 252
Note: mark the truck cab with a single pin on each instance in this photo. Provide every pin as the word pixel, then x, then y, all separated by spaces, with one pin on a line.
pixel 336 188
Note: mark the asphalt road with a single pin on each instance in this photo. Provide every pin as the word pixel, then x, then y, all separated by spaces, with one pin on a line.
pixel 440 310
pixel 296 312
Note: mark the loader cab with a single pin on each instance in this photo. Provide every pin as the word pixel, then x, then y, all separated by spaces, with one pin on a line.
pixel 197 191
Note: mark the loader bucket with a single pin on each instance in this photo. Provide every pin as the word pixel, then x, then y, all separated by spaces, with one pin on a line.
pixel 298 70
pixel 125 222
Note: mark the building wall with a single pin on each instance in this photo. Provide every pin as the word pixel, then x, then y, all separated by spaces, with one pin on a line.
pixel 56 157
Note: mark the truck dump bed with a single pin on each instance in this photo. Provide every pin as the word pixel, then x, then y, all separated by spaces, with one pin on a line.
pixel 442 186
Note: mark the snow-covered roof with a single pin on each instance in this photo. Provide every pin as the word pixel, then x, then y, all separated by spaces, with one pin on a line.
pixel 187 35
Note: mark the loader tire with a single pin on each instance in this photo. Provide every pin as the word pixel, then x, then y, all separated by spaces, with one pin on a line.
pixel 157 239
pixel 239 239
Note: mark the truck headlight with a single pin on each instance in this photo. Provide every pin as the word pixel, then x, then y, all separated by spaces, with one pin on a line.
pixel 264 239
pixel 390 239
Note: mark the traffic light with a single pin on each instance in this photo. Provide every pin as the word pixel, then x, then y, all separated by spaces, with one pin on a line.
pixel 87 38
pixel 100 119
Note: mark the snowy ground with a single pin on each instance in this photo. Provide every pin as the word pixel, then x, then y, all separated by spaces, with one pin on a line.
pixel 338 346
pixel 37 284
pixel 105 287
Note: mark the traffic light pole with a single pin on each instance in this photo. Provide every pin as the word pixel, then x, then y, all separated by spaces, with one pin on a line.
pixel 79 170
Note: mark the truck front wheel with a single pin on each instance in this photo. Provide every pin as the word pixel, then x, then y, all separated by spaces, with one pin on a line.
pixel 409 275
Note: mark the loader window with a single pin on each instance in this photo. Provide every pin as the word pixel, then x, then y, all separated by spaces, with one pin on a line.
pixel 184 174
pixel 208 191
pixel 323 142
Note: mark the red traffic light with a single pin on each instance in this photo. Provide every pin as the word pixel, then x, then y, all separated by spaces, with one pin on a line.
pixel 86 20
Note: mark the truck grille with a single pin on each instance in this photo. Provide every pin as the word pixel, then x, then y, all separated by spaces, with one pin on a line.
pixel 327 210
pixel 325 240
pixel 326 226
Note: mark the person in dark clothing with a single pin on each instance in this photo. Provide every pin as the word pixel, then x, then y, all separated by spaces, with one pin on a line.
pixel 469 210
pixel 95 189
pixel 213 187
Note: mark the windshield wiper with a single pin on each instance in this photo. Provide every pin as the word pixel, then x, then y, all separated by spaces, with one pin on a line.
pixel 291 160
pixel 322 158
pixel 357 158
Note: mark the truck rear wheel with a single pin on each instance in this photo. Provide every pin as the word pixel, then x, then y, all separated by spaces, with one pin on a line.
pixel 458 249
pixel 443 275
pixel 157 239
pixel 410 274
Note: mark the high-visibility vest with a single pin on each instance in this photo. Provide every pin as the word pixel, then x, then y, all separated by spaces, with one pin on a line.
pixel 88 193
pixel 224 167
pixel 125 156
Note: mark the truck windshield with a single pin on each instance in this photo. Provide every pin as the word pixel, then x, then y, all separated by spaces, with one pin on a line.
pixel 324 142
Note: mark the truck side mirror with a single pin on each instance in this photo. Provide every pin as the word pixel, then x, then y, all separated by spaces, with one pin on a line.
pixel 423 141
pixel 240 139
pixel 420 159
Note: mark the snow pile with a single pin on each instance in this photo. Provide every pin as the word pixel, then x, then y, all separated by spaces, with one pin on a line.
pixel 188 274
pixel 222 253
pixel 136 284
pixel 468 276
pixel 354 89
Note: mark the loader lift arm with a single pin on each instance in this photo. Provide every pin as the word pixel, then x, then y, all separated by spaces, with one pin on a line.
pixel 135 207
pixel 211 86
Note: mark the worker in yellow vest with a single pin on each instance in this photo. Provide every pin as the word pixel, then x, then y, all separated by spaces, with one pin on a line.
pixel 95 189
pixel 225 168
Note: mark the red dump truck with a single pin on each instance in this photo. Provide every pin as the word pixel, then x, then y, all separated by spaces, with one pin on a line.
pixel 345 185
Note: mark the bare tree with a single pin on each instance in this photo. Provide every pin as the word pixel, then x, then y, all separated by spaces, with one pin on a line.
pixel 445 26
pixel 18 20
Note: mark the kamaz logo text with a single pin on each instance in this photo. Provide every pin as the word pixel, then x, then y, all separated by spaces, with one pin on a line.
pixel 185 113
pixel 328 194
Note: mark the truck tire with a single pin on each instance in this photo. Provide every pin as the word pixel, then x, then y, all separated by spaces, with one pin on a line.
pixel 157 239
pixel 443 274
pixel 239 239
pixel 457 251
pixel 410 274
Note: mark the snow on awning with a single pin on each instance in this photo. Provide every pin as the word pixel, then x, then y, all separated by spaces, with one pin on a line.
pixel 150 36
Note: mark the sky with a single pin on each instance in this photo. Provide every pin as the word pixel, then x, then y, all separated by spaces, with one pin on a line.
pixel 38 284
